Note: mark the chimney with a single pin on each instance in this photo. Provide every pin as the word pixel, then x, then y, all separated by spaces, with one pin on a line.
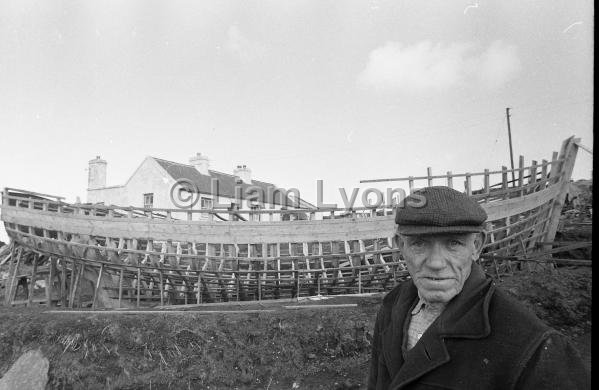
pixel 243 173
pixel 201 163
pixel 96 175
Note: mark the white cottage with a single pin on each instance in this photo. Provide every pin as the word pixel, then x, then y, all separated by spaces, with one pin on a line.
pixel 160 183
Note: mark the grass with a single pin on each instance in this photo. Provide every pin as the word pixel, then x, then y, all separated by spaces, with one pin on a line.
pixel 308 348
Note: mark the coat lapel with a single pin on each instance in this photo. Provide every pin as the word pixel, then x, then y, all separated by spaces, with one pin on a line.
pixel 392 336
pixel 466 316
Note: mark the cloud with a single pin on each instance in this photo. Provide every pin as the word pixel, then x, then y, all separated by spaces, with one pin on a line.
pixel 498 64
pixel 428 66
pixel 238 45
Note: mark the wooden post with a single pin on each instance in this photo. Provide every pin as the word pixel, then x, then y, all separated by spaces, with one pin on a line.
pixel 97 286
pixel 360 281
pixel 278 284
pixel 322 265
pixel 449 179
pixel 11 267
pixel 429 174
pixel 138 284
pixel 569 151
pixel 78 284
pixel 33 275
pixel 265 266
pixel 305 252
pixel 298 284
pixel 50 282
pixel 468 184
pixel 544 174
pixel 237 281
pixel 318 282
pixel 486 183
pixel 121 287
pixel 532 179
pixel 199 295
pixel 72 284
pixel 553 172
pixel 63 282
pixel 259 287
pixel 13 277
pixel 521 175
pixel 504 182
pixel 162 287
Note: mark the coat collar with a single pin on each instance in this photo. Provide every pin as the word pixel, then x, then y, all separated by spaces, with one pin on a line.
pixel 466 316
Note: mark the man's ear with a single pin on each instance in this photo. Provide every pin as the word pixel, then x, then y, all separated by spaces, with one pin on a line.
pixel 479 242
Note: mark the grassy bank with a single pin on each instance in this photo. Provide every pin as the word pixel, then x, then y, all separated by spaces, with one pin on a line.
pixel 280 349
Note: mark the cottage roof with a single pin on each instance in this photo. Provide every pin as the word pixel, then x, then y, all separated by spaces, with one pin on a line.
pixel 267 193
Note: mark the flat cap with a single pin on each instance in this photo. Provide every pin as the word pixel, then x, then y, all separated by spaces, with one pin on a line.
pixel 439 209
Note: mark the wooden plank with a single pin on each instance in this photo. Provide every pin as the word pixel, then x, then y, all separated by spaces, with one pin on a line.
pixel 222 232
pixel 33 276
pixel 97 287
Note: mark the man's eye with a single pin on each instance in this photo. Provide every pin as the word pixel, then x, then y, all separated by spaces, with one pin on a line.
pixel 418 244
pixel 455 243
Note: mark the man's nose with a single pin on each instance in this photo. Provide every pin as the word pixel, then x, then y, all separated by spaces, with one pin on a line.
pixel 436 258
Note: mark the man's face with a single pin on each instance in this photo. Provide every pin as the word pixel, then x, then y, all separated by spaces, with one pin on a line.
pixel 440 263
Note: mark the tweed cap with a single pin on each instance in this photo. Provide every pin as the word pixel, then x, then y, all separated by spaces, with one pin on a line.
pixel 439 209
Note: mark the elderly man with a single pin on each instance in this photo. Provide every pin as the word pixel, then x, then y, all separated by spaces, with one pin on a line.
pixel 449 327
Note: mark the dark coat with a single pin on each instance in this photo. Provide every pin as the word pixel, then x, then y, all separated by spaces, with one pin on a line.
pixel 483 340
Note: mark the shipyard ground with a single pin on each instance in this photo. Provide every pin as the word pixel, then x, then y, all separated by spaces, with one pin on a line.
pixel 283 345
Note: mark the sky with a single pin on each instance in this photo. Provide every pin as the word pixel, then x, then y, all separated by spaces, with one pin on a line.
pixel 298 91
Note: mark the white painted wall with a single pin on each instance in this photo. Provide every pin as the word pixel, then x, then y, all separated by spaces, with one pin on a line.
pixel 150 177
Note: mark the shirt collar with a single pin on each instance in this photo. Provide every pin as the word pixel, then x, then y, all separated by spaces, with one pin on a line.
pixel 422 304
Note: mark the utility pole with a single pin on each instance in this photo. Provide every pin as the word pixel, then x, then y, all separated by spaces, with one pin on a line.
pixel 509 133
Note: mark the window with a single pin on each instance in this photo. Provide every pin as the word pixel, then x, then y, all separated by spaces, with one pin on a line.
pixel 256 216
pixel 148 201
pixel 205 203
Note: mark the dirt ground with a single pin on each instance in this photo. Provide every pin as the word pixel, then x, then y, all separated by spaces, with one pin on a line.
pixel 278 348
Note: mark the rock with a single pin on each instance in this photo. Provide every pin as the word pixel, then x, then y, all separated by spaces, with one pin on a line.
pixel 30 371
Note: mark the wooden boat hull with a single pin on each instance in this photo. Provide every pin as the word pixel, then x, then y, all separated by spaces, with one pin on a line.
pixel 132 257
